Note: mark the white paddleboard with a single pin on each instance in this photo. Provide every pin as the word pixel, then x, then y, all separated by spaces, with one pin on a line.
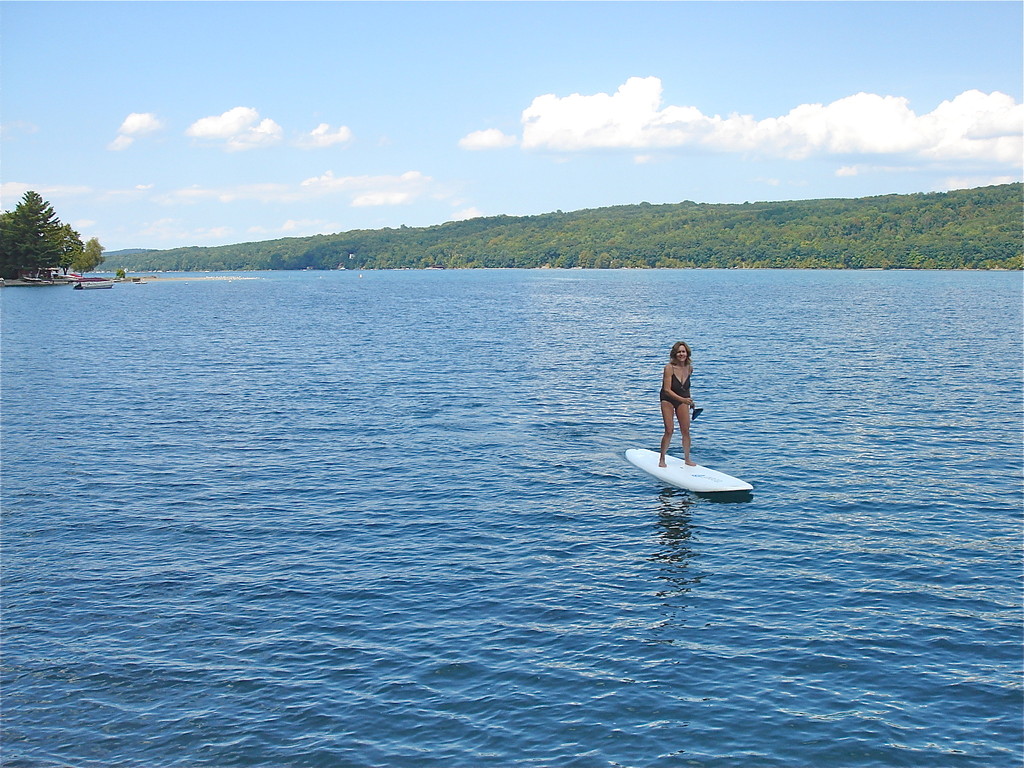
pixel 677 473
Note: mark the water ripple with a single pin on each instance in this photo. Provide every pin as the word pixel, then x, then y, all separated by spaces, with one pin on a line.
pixel 317 520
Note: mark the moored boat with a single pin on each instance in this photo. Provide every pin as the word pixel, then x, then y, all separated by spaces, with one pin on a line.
pixel 93 282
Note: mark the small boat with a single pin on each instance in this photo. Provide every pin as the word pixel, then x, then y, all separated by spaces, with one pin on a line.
pixel 93 282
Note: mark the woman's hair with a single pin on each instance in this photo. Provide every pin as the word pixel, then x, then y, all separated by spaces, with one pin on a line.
pixel 675 348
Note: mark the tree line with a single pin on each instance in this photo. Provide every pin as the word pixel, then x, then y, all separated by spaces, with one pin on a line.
pixel 964 229
pixel 34 241
pixel 972 229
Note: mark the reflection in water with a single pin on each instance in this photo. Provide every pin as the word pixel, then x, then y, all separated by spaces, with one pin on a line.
pixel 728 497
pixel 675 554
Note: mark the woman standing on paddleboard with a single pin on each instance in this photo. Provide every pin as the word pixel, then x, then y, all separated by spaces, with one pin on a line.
pixel 675 399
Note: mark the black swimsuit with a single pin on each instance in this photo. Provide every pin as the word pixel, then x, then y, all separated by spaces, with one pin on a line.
pixel 681 388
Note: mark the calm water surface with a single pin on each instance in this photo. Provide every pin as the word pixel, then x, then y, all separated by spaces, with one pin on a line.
pixel 324 519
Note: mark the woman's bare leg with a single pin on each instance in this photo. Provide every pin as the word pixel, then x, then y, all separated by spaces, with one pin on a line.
pixel 683 412
pixel 666 439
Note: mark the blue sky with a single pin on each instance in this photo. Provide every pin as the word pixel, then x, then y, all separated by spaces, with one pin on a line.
pixel 164 124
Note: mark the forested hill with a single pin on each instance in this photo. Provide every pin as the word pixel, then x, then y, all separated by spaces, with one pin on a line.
pixel 975 229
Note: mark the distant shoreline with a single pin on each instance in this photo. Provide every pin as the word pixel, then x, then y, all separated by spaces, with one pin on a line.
pixel 232 275
pixel 126 281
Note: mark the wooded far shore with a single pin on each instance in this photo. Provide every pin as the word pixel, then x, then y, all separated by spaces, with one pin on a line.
pixel 963 229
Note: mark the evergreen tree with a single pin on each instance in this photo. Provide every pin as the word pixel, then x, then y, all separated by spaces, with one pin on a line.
pixel 7 268
pixel 31 237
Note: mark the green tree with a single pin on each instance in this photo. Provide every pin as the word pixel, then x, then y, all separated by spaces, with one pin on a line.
pixel 90 257
pixel 69 243
pixel 7 268
pixel 964 228
pixel 31 237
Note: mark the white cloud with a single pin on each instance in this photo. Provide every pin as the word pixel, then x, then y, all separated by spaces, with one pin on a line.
pixel 135 125
pixel 979 126
pixel 321 137
pixel 174 230
pixel 163 229
pixel 121 142
pixel 138 123
pixel 382 198
pixel 16 129
pixel 865 168
pixel 467 213
pixel 240 128
pixel 362 191
pixel 225 126
pixel 297 227
pixel 973 126
pixel 55 193
pixel 213 233
pixel 368 191
pixel 492 138
pixel 263 193
pixel 970 182
pixel 11 192
pixel 629 118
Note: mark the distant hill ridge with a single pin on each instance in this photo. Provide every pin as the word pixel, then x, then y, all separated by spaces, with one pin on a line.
pixel 964 229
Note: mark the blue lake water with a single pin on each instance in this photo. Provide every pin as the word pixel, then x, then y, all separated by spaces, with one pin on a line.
pixel 332 519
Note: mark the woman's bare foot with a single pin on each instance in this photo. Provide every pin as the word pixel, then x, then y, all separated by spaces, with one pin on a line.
pixel 691 463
